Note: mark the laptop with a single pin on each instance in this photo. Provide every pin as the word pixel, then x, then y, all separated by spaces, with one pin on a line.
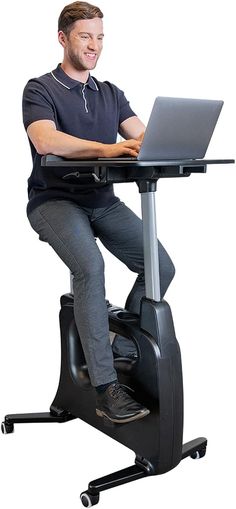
pixel 178 129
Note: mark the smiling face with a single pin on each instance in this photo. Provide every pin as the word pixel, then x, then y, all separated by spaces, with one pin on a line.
pixel 83 45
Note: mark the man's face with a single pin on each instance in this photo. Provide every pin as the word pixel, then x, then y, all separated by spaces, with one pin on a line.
pixel 83 45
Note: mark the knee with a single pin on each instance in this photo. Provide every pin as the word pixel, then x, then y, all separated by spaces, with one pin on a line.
pixel 166 276
pixel 171 270
pixel 91 270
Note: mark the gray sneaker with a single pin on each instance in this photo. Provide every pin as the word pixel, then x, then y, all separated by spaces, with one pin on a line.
pixel 117 406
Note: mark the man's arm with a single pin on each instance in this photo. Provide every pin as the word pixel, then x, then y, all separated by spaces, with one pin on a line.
pixel 48 140
pixel 132 128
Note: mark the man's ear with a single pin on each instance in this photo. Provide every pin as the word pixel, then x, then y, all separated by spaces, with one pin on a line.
pixel 62 38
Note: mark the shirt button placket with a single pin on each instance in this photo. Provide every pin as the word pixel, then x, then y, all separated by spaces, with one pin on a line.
pixel 85 100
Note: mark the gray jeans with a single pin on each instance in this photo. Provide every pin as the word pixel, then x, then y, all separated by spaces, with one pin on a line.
pixel 72 230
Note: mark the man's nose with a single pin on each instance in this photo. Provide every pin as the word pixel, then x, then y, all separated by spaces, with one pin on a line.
pixel 93 44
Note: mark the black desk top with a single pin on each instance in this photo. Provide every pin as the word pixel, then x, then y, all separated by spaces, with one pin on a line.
pixel 106 170
pixel 51 160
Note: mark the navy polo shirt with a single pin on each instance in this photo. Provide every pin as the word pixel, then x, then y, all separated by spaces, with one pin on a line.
pixel 91 111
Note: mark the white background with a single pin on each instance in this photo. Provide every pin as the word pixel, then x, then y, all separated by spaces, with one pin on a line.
pixel 183 49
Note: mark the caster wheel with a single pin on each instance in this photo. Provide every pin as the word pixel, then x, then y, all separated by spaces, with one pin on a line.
pixel 7 427
pixel 88 500
pixel 198 454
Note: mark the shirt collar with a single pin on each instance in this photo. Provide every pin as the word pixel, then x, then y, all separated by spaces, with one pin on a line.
pixel 66 81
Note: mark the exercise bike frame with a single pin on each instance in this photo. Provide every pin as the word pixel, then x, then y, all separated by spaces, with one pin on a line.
pixel 155 376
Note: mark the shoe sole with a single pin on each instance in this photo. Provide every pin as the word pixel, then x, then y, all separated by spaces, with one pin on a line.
pixel 128 419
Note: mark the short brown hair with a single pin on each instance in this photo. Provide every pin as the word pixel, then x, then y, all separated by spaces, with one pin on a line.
pixel 75 11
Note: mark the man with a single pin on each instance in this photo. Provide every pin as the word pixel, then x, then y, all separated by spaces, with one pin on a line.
pixel 69 113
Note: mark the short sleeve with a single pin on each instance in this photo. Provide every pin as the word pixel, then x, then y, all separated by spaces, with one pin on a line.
pixel 37 103
pixel 124 107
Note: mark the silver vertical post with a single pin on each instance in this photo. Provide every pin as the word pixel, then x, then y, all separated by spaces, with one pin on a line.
pixel 71 283
pixel 151 255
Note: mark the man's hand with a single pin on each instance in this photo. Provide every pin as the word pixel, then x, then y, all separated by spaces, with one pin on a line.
pixel 123 148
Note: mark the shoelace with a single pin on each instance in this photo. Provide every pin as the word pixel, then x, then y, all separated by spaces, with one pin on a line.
pixel 117 390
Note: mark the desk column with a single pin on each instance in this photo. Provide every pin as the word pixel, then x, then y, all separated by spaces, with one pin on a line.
pixel 151 255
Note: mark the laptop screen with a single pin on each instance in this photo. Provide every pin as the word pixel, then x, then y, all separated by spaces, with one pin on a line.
pixel 179 128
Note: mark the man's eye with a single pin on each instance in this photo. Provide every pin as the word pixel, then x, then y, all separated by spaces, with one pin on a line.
pixel 84 36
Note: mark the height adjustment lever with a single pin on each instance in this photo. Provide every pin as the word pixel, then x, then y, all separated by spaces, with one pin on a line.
pixel 82 176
